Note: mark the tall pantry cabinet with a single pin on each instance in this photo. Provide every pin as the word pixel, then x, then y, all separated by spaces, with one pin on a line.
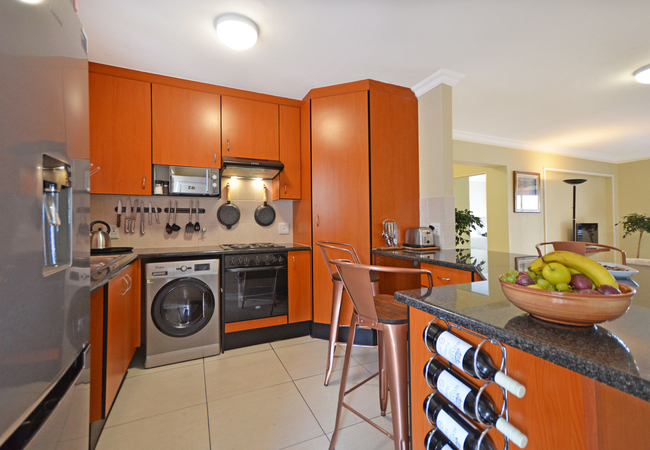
pixel 364 149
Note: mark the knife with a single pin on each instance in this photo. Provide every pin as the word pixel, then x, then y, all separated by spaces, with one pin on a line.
pixel 135 216
pixel 156 211
pixel 150 223
pixel 142 218
pixel 119 212
pixel 127 216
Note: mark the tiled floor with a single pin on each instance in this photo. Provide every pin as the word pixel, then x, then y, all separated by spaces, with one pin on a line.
pixel 264 397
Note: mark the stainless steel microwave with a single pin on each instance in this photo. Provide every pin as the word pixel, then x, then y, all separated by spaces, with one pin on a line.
pixel 192 181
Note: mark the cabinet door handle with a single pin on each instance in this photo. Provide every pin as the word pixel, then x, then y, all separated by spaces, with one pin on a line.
pixel 215 157
pixel 294 261
pixel 129 282
pixel 228 144
pixel 126 288
pixel 143 178
pixel 285 188
pixel 444 279
pixel 317 221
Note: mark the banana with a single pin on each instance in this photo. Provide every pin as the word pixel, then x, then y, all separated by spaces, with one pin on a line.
pixel 537 266
pixel 597 273
pixel 573 271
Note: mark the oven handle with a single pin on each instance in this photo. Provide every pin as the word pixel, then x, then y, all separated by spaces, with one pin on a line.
pixel 256 269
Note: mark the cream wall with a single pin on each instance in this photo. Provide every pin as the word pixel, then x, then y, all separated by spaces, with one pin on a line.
pixel 524 229
pixel 633 197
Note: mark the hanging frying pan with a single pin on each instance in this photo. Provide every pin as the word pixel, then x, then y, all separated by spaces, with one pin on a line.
pixel 228 214
pixel 265 214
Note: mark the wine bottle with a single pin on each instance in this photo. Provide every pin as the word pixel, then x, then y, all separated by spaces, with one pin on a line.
pixel 435 440
pixel 463 395
pixel 461 354
pixel 459 432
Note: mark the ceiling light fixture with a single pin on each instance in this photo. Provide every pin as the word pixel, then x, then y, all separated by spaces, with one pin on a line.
pixel 236 31
pixel 643 74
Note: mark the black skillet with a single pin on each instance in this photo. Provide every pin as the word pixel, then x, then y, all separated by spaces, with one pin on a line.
pixel 228 214
pixel 265 214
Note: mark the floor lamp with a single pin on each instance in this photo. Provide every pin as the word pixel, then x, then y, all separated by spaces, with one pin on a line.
pixel 574 182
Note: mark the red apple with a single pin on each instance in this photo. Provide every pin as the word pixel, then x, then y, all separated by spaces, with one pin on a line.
pixel 580 281
pixel 607 290
pixel 589 291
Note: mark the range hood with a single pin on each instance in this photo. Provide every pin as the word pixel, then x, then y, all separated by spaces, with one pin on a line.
pixel 250 168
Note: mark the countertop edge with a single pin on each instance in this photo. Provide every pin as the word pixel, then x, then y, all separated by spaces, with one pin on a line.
pixel 414 257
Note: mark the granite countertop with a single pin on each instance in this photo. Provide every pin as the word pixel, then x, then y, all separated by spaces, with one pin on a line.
pixel 471 260
pixel 615 353
pixel 106 273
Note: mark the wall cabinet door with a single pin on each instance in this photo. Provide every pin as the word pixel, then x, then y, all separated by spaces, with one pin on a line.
pixel 300 308
pixel 120 135
pixel 287 183
pixel 249 129
pixel 186 127
pixel 341 201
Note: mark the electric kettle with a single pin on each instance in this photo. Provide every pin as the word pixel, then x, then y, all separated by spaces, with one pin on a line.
pixel 100 238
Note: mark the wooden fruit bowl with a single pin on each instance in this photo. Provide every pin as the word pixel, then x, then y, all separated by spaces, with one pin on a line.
pixel 569 308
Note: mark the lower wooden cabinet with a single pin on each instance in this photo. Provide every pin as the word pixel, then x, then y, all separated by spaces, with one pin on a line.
pixel 115 334
pixel 300 305
pixel 444 276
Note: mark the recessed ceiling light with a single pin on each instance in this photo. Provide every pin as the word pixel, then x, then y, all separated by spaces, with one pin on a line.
pixel 32 2
pixel 643 75
pixel 236 31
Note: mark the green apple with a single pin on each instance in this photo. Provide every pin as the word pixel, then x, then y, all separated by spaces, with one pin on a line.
pixel 556 273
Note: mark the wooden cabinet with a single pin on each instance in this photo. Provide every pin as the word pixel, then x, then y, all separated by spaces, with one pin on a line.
pixel 300 308
pixel 250 129
pixel 186 127
pixel 444 276
pixel 364 170
pixel 287 183
pixel 120 135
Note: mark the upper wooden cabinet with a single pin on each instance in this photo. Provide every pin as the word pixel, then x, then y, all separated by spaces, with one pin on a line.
pixel 120 135
pixel 186 127
pixel 250 129
pixel 287 183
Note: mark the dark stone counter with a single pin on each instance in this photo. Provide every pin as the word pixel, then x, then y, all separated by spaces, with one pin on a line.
pixel 462 259
pixel 616 353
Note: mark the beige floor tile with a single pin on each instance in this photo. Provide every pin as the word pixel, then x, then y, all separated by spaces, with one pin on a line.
pixel 322 400
pixel 306 360
pixel 365 436
pixel 320 443
pixel 294 341
pixel 364 355
pixel 182 429
pixel 136 369
pixel 157 393
pixel 270 418
pixel 245 373
pixel 240 351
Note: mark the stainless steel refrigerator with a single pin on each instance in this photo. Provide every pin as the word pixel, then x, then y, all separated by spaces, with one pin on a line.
pixel 44 235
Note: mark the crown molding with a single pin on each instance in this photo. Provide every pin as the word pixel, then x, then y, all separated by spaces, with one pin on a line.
pixel 468 136
pixel 443 76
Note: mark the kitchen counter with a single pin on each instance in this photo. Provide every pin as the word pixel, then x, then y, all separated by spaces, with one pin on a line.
pixel 615 353
pixel 461 259
pixel 105 274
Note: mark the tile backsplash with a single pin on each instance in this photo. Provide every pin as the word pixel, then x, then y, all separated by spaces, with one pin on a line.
pixel 245 194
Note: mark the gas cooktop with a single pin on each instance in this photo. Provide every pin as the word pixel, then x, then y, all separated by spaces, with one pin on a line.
pixel 254 245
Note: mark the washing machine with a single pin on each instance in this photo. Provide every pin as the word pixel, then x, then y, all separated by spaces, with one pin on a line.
pixel 183 311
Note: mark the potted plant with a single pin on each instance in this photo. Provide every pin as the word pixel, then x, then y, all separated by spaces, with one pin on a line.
pixel 465 222
pixel 635 222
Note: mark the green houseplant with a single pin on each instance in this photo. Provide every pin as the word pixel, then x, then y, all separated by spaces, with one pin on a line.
pixel 631 224
pixel 465 222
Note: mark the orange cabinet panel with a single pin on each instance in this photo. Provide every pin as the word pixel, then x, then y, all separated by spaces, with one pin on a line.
pixel 120 135
pixel 186 127
pixel 114 335
pixel 300 307
pixel 250 129
pixel 444 276
pixel 287 183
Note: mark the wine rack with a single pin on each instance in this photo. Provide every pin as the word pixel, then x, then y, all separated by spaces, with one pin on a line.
pixel 481 391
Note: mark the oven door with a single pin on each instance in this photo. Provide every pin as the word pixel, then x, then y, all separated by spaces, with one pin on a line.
pixel 255 293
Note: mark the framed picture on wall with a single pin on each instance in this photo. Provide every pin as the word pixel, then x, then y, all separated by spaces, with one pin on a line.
pixel 522 262
pixel 527 192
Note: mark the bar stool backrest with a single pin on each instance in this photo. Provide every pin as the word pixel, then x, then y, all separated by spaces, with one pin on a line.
pixel 337 250
pixel 580 248
pixel 356 278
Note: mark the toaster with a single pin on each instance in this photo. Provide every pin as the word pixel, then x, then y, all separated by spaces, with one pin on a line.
pixel 419 237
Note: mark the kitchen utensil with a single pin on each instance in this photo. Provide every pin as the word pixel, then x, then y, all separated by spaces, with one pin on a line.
pixel 197 225
pixel 390 232
pixel 168 227
pixel 127 215
pixel 100 238
pixel 189 228
pixel 119 213
pixel 228 214
pixel 150 222
pixel 135 216
pixel 175 227
pixel 419 237
pixel 569 308
pixel 142 218
pixel 264 214
pixel 155 210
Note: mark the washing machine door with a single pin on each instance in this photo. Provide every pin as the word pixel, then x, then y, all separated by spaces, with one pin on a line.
pixel 183 307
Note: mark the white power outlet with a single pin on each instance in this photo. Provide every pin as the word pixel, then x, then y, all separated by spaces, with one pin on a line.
pixel 436 229
pixel 115 233
pixel 283 228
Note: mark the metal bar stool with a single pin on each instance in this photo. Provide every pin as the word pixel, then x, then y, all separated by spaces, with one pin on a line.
pixel 339 250
pixel 390 318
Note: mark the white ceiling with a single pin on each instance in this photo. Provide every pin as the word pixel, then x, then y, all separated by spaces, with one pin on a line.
pixel 551 75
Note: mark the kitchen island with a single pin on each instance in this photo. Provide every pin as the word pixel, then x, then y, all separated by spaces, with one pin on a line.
pixel 588 387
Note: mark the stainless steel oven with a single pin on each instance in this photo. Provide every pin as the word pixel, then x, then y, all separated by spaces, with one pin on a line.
pixel 255 286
